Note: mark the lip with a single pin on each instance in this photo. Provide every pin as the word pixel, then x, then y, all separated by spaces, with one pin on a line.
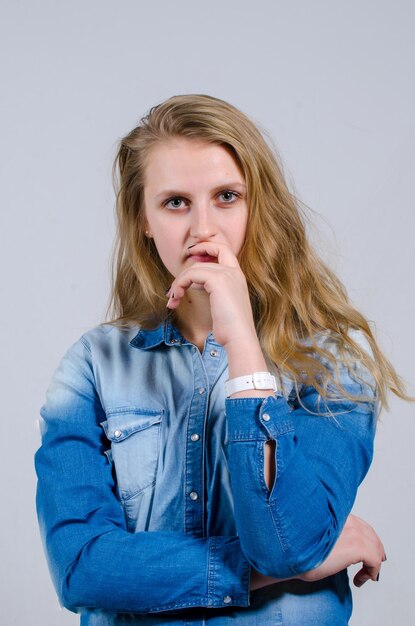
pixel 204 258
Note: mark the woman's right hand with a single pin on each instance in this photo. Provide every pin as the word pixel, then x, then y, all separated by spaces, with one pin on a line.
pixel 357 543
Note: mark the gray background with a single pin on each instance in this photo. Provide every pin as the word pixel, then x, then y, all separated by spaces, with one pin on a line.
pixel 331 82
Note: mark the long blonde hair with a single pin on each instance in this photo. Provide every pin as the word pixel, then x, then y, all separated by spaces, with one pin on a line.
pixel 295 296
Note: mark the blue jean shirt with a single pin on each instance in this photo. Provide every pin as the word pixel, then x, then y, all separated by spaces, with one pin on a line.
pixel 151 497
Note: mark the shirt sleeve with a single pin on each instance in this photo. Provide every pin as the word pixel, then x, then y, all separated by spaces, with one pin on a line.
pixel 323 451
pixel 94 561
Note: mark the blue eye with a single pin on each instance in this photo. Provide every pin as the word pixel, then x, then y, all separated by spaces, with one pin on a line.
pixel 228 192
pixel 174 199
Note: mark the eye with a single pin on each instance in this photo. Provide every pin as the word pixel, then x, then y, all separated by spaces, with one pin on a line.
pixel 174 199
pixel 227 193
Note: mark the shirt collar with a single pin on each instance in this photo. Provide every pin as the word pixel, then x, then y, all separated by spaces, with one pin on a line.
pixel 166 333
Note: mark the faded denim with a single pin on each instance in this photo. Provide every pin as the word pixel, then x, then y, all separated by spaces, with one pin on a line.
pixel 151 495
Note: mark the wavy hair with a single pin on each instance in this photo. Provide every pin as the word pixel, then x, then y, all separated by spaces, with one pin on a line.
pixel 296 298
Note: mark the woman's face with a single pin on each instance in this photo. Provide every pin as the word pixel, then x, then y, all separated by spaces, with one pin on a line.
pixel 194 191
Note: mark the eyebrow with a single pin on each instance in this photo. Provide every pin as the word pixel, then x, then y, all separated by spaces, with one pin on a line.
pixel 224 185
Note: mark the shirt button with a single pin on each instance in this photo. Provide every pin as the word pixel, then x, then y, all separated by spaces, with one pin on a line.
pixel 118 434
pixel 202 390
pixel 175 341
pixel 266 417
pixel 227 599
pixel 213 353
pixel 193 495
pixel 194 437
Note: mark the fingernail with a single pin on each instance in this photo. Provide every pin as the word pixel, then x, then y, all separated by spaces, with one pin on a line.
pixel 170 299
pixel 377 577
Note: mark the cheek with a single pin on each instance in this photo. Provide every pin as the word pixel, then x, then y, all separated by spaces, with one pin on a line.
pixel 168 249
pixel 239 233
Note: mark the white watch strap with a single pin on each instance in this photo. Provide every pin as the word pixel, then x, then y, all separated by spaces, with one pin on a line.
pixel 258 380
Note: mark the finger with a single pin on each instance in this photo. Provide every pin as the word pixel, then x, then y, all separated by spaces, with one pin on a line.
pixel 205 274
pixel 360 578
pixel 366 573
pixel 195 275
pixel 223 253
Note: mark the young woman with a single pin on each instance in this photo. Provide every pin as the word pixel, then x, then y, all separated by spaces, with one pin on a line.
pixel 201 452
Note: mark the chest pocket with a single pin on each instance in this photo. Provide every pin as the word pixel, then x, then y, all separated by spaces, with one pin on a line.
pixel 135 441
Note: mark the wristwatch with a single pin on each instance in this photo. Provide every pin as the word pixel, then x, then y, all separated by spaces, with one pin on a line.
pixel 257 380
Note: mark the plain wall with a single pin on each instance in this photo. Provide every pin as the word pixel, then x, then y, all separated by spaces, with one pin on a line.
pixel 331 83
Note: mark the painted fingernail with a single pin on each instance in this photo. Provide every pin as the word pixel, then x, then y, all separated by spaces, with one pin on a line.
pixel 170 299
pixel 377 577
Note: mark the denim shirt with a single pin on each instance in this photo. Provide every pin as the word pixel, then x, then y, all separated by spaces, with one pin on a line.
pixel 151 497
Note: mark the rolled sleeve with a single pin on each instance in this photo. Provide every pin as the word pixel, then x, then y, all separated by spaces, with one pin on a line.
pixel 320 461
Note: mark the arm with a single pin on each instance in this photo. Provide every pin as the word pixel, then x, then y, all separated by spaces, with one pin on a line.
pixel 94 561
pixel 292 527
pixel 358 543
pixel 320 462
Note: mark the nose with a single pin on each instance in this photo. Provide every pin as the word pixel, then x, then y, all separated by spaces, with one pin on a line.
pixel 203 223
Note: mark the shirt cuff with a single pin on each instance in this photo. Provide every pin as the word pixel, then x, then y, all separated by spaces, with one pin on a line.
pixel 229 573
pixel 258 418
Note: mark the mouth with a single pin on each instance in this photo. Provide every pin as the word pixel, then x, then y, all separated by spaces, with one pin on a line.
pixel 204 258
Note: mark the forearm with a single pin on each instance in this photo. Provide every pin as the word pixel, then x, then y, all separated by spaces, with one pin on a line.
pixel 151 572
pixel 93 559
pixel 286 543
pixel 248 361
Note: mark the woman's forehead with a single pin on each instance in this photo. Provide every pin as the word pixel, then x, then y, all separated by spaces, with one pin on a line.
pixel 181 161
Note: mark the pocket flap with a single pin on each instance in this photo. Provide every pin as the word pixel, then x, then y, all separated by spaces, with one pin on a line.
pixel 121 425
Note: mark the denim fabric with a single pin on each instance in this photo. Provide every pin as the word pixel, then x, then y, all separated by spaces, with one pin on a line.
pixel 151 495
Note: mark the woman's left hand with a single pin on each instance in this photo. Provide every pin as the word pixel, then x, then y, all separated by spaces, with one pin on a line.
pixel 224 281
pixel 357 543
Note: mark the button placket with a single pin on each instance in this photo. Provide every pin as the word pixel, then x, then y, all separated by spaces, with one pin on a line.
pixel 212 359
pixel 194 521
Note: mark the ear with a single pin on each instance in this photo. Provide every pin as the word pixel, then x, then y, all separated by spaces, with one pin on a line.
pixel 147 230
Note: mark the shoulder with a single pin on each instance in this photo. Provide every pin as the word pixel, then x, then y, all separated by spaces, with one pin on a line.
pixel 328 340
pixel 351 363
pixel 106 334
pixel 94 346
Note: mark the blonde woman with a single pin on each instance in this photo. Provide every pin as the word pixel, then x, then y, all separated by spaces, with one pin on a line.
pixel 201 451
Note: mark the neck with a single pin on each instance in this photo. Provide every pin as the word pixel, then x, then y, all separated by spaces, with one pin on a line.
pixel 193 317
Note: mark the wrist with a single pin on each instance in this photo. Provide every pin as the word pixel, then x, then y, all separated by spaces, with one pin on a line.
pixel 242 339
pixel 245 357
pixel 262 381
